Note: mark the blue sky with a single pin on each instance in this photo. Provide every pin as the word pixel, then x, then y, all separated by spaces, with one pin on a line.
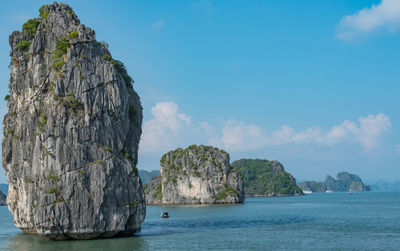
pixel 314 84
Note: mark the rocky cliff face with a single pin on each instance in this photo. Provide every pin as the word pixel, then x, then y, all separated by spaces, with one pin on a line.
pixel 266 178
pixel 3 199
pixel 195 175
pixel 71 133
pixel 153 190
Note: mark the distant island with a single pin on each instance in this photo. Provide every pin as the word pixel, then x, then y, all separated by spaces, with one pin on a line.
pixel 266 178
pixel 145 176
pixel 4 188
pixel 195 175
pixel 3 199
pixel 344 182
pixel 385 186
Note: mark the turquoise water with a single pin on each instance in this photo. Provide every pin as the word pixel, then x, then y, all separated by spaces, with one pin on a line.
pixel 362 221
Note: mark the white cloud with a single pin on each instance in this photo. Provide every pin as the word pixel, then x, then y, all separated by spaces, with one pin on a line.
pixel 372 128
pixel 158 25
pixel 160 131
pixel 368 134
pixel 207 128
pixel 246 137
pixel 240 136
pixel 170 128
pixel 385 15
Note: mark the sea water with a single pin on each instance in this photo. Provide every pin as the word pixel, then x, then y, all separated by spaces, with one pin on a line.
pixel 361 221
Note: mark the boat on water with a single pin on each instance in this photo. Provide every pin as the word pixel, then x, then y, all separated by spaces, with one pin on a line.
pixel 329 191
pixel 164 215
pixel 307 191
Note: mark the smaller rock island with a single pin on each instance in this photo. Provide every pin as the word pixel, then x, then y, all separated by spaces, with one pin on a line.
pixel 195 175
pixel 264 178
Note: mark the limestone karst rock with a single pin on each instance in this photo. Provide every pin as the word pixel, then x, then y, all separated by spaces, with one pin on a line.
pixel 195 175
pixel 344 182
pixel 71 133
pixel 262 177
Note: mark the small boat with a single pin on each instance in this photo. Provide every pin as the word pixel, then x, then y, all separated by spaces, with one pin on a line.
pixel 164 215
pixel 307 191
pixel 329 191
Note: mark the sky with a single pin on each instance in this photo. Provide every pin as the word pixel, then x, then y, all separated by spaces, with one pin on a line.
pixel 313 84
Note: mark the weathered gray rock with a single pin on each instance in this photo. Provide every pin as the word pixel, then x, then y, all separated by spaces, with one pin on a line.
pixel 71 133
pixel 3 199
pixel 195 175
pixel 153 190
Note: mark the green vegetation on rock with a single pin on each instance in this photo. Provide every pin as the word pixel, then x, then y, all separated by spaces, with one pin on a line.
pixel 228 191
pixel 73 35
pixel 53 190
pixel 53 177
pixel 42 121
pixel 61 49
pixel 158 193
pixel 23 45
pixel 265 178
pixel 42 12
pixel 30 27
pixel 119 66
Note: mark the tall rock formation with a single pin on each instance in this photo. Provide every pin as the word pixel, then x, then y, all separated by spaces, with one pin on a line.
pixel 195 175
pixel 266 178
pixel 71 133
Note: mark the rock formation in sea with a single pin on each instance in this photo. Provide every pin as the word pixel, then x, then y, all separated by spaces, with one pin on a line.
pixel 195 175
pixel 344 182
pixel 266 178
pixel 71 133
pixel 3 199
pixel 313 186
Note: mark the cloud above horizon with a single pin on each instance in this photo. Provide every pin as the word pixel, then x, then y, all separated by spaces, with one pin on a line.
pixel 170 127
pixel 164 128
pixel 238 136
pixel 385 15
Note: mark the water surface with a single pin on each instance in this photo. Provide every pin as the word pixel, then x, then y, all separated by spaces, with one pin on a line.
pixel 362 221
